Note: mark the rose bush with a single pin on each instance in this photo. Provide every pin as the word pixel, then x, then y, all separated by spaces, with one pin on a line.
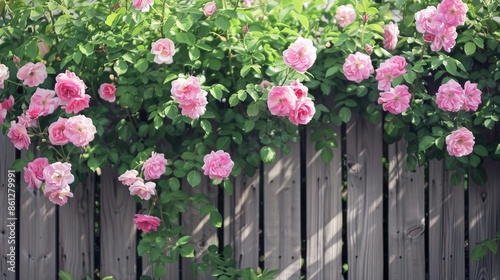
pixel 154 88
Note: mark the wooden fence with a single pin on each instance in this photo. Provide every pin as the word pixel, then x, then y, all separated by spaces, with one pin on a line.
pixel 300 215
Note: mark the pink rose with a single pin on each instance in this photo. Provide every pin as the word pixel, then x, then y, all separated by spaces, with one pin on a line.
pixel 79 130
pixel 472 97
pixel 345 15
pixel 424 19
pixel 56 132
pixel 391 32
pixel 68 87
pixel 460 142
pixel 209 9
pixel 266 85
pixel 26 121
pixel 129 177
pixel 154 166
pixel 300 55
pixel 142 190
pixel 299 89
pixel 34 112
pixel 395 101
pixel 304 111
pixel 4 75
pixel 58 196
pixel 452 12
pixel 217 165
pixel 32 74
pixel 57 176
pixel 245 28
pixel 5 105
pixel 19 136
pixel 358 67
pixel 444 38
pixel 368 49
pixel 146 223
pixel 143 5
pixel 164 50
pixel 196 107
pixel 450 96
pixel 46 100
pixel 33 173
pixel 185 89
pixel 248 3
pixel 281 101
pixel 388 70
pixel 16 60
pixel 399 62
pixel 43 48
pixel 77 104
pixel 107 92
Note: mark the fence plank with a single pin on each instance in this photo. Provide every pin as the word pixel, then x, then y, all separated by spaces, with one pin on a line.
pixel 241 220
pixel 118 233
pixel 406 220
pixel 7 156
pixel 76 231
pixel 446 225
pixel 324 213
pixel 484 222
pixel 364 199
pixel 282 214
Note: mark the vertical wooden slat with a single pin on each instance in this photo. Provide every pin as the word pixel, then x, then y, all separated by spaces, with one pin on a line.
pixel 484 222
pixel 446 225
pixel 76 231
pixel 364 199
pixel 241 220
pixel 406 221
pixel 282 214
pixel 324 213
pixel 199 227
pixel 118 233
pixel 7 157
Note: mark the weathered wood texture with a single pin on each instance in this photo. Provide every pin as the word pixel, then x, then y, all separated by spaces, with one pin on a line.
pixel 282 214
pixel 406 221
pixel 324 213
pixel 484 222
pixel 446 225
pixel 364 200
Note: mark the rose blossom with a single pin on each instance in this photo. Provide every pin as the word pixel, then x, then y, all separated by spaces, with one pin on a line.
pixel 266 85
pixel 460 142
pixel 34 112
pixel 107 92
pixel 281 101
pixel 345 15
pixel 143 5
pixel 142 190
pixel 57 175
pixel 129 177
pixel 300 55
pixel 391 32
pixel 46 100
pixel 357 67
pixel 19 136
pixel 77 104
pixel 68 87
pixel 33 173
pixel 16 60
pixel 472 97
pixel 154 166
pixel 424 19
pixel 56 132
pixel 43 48
pixel 444 38
pixel 185 89
pixel 58 196
pixel 395 101
pixel 209 9
pixel 452 12
pixel 388 70
pixel 32 74
pixel 164 50
pixel 368 49
pixel 217 165
pixel 248 3
pixel 299 89
pixel 450 96
pixel 304 111
pixel 196 107
pixel 4 75
pixel 26 121
pixel 146 223
pixel 79 130
pixel 5 105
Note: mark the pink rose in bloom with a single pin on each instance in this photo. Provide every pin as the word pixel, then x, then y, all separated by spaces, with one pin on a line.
pixel 445 39
pixel 19 136
pixel 209 9
pixel 107 92
pixel 358 67
pixel 46 100
pixel 129 177
pixel 68 87
pixel 77 104
pixel 31 74
pixel 266 86
pixel 143 5
pixel 450 96
pixel 248 3
pixel 142 190
pixel 57 176
pixel 472 97
pixel 217 165
pixel 452 12
pixel 388 70
pixel 146 223
pixel 299 89
pixel 56 132
pixel 43 48
pixel 26 121
pixel 5 105
pixel 79 130
pixel 391 33
pixel 460 142
pixel 33 173
pixel 164 50
pixel 34 112
pixel 300 55
pixel 281 101
pixel 345 15
pixel 399 62
pixel 58 196
pixel 196 107
pixel 154 166
pixel 185 89
pixel 395 101
pixel 304 111
pixel 4 74
pixel 424 19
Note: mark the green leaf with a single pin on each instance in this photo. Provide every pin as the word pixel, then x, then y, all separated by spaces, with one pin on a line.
pixel 302 19
pixel 450 66
pixel 141 65
pixel 469 48
pixel 425 143
pixel 222 22
pixel 194 178
pixel 492 245
pixel 64 275
pixel 32 49
pixel 120 67
pixel 206 125
pixel 345 114
pixel 187 251
pixel 18 165
pixel 174 184
pixel 267 154
pixel 216 219
pixel 228 186
pixel 478 252
pixel 110 19
pixel 456 178
pixel 480 150
pixel 186 38
pixel 160 270
pixel 183 240
pixel 253 109
pixel 249 125
pixel 223 143
pixel 184 24
pixel 327 154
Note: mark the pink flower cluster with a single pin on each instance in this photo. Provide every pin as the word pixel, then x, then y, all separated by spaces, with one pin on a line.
pixel 143 5
pixel 57 177
pixel 146 223
pixel 439 24
pixel 460 142
pixel 78 130
pixel 396 100
pixel 33 173
pixel 345 15
pixel 4 75
pixel 191 97
pixel 292 102
pixel 71 92
pixel 451 97
pixel 32 74
pixel 300 55
pixel 358 67
pixel 5 106
pixel 164 51
pixel 217 165
pixel 43 102
pixel 391 33
pixel 388 70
